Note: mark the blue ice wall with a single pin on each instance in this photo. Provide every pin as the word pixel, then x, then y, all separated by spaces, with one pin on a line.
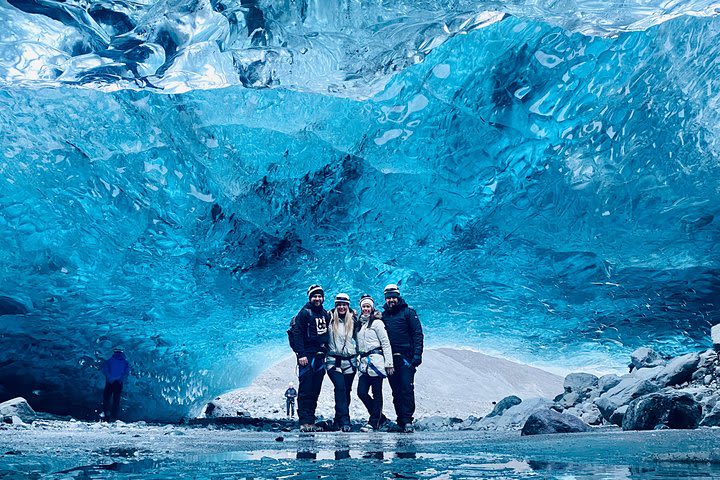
pixel 547 190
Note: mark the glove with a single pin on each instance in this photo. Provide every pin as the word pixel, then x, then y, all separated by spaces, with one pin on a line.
pixel 416 361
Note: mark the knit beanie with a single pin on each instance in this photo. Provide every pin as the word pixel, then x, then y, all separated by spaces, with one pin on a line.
pixel 367 300
pixel 315 289
pixel 391 291
pixel 342 298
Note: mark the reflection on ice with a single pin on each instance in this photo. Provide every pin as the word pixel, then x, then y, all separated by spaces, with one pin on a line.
pixel 136 451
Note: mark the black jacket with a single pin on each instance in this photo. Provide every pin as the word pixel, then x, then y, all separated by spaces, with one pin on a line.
pixel 310 331
pixel 403 329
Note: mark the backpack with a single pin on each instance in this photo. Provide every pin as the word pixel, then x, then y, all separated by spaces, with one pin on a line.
pixel 293 320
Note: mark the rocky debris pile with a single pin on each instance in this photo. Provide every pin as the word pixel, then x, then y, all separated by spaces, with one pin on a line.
pixel 681 392
pixel 17 412
pixel 659 392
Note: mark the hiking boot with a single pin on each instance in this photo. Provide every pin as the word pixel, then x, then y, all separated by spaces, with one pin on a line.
pixel 345 428
pixel 367 428
pixel 307 428
pixel 408 428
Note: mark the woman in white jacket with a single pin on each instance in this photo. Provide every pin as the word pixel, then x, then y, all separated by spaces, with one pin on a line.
pixel 376 361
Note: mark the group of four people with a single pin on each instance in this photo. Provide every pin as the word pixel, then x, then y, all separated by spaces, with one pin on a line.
pixel 341 342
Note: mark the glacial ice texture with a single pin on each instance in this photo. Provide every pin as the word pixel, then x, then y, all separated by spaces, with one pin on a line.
pixel 544 187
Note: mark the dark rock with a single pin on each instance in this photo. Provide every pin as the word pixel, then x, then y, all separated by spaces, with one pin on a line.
pixel 668 408
pixel 280 439
pixel 504 404
pixel 606 382
pixel 514 417
pixel 10 306
pixel 579 382
pixel 645 358
pixel 712 417
pixel 549 421
pixel 617 416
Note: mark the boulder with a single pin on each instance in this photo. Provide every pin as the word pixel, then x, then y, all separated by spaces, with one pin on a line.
pixel 18 407
pixel 514 417
pixel 549 421
pixel 591 415
pixel 712 417
pixel 437 423
pixel 606 382
pixel 645 358
pixel 579 382
pixel 504 404
pixel 678 370
pixel 629 388
pixel 665 409
pixel 647 380
pixel 617 416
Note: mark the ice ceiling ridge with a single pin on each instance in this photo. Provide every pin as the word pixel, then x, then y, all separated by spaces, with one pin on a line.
pixel 340 48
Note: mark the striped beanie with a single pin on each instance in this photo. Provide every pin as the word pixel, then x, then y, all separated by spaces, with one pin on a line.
pixel 391 291
pixel 342 298
pixel 315 289
pixel 367 299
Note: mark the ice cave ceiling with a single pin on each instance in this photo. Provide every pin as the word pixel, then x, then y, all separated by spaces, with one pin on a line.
pixel 541 179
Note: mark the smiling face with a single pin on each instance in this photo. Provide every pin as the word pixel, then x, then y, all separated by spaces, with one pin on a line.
pixel 341 308
pixel 366 309
pixel 317 299
pixel 391 301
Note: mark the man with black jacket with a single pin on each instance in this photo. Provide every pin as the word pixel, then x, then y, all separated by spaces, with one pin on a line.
pixel 406 339
pixel 308 339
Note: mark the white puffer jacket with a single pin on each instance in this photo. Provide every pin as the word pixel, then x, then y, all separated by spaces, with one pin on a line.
pixel 371 338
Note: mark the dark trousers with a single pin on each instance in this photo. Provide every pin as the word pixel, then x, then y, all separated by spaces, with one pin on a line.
pixel 343 387
pixel 290 407
pixel 112 389
pixel 373 404
pixel 402 384
pixel 310 378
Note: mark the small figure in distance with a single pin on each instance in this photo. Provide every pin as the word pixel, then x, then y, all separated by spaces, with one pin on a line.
pixel 290 395
pixel 116 370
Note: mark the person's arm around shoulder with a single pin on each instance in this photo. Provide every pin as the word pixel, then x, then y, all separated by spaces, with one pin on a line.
pixel 379 327
pixel 416 333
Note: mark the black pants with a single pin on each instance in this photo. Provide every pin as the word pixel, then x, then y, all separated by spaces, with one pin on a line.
pixel 112 389
pixel 402 384
pixel 290 407
pixel 343 387
pixel 310 378
pixel 373 404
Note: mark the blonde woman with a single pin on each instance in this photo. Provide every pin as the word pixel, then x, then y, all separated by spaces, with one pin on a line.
pixel 341 360
pixel 376 361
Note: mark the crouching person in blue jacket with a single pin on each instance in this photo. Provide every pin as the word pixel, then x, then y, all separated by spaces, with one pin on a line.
pixel 116 370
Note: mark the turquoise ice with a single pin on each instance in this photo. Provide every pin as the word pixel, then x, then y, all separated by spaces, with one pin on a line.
pixel 540 178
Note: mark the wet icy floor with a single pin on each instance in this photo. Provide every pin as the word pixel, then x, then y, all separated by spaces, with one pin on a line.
pixel 77 450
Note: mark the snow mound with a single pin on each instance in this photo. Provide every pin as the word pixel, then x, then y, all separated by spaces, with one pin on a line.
pixel 450 383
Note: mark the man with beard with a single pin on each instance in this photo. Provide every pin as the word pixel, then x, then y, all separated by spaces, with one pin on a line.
pixel 308 338
pixel 406 339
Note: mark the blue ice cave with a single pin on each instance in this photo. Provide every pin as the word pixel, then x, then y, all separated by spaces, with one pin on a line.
pixel 541 179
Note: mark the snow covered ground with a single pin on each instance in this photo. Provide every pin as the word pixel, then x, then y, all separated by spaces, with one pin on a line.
pixel 449 383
